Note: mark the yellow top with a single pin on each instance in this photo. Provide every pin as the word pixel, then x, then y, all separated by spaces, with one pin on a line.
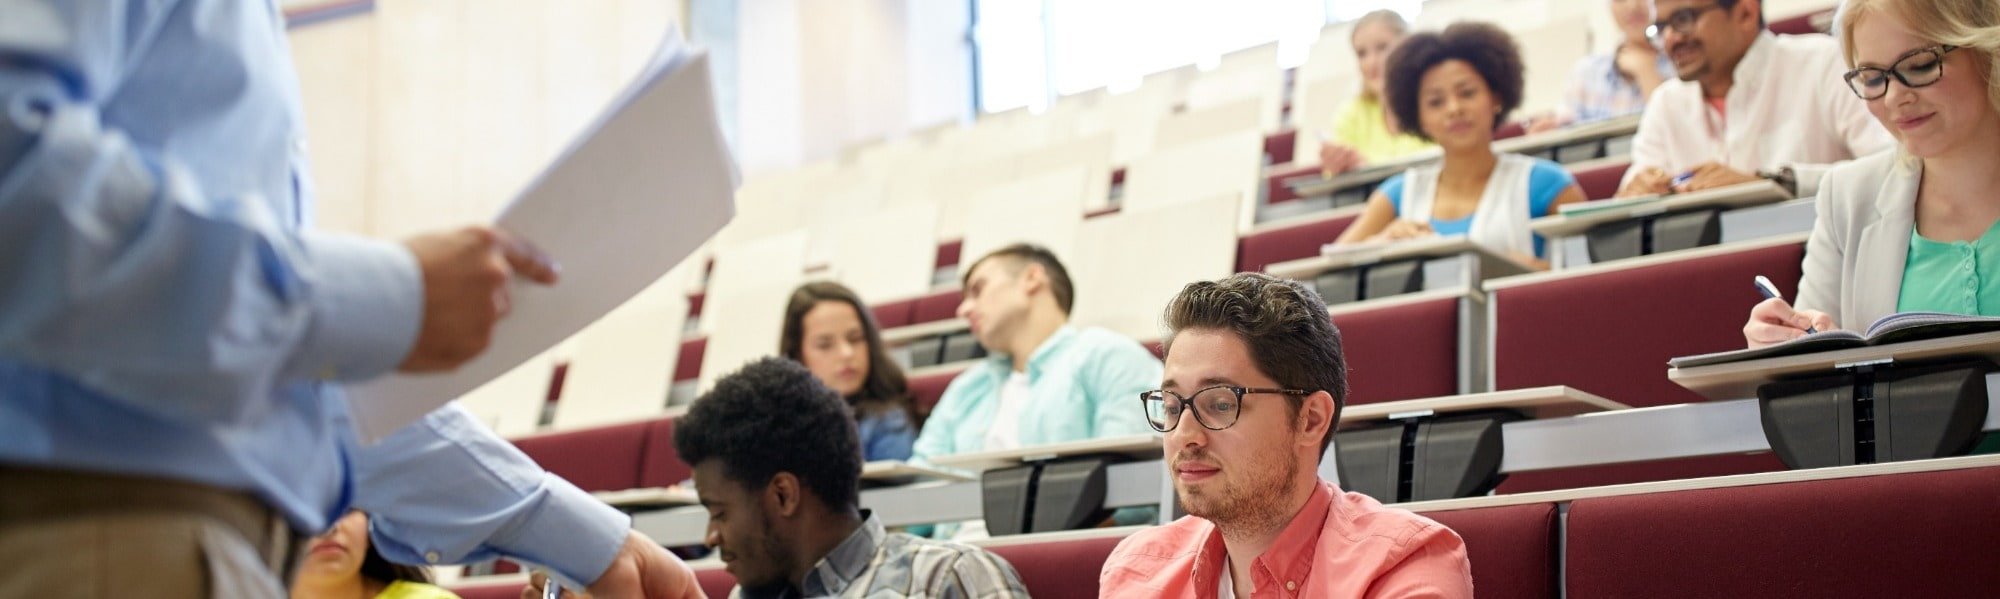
pixel 404 589
pixel 1360 125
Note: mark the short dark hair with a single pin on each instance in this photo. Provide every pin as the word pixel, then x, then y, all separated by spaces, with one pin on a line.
pixel 1489 50
pixel 883 387
pixel 1731 5
pixel 1026 253
pixel 774 416
pixel 1284 323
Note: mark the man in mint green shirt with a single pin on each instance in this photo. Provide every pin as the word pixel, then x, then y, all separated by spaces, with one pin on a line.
pixel 1046 382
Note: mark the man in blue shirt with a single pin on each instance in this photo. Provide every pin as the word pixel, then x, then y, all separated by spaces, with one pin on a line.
pixel 172 334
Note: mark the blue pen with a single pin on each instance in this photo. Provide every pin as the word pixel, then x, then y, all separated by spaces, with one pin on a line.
pixel 1681 179
pixel 1770 291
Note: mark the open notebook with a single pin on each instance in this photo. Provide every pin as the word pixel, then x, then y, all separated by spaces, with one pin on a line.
pixel 1894 328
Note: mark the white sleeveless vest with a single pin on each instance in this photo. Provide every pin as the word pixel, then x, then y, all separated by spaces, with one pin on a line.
pixel 1501 220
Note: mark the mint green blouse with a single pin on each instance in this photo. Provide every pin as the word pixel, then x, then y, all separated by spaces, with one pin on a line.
pixel 1958 277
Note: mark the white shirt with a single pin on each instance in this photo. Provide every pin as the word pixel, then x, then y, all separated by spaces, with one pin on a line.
pixel 1788 107
pixel 1006 430
pixel 1227 589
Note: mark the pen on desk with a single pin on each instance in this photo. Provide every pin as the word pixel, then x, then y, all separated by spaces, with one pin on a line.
pixel 1770 291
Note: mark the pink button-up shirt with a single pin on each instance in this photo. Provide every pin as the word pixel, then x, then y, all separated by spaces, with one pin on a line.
pixel 1339 545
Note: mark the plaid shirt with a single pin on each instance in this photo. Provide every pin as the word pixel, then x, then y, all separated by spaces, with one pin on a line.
pixel 1597 92
pixel 874 563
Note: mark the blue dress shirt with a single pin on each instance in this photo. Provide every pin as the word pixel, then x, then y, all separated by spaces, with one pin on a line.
pixel 164 310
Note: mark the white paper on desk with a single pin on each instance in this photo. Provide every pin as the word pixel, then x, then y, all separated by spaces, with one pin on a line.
pixel 647 183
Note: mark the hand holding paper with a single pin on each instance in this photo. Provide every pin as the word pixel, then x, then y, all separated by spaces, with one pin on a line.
pixel 466 273
pixel 645 185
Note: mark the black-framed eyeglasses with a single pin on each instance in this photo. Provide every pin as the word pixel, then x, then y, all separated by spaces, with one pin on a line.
pixel 1216 408
pixel 1681 21
pixel 1918 68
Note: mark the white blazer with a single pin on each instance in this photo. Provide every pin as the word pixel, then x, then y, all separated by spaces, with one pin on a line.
pixel 1861 238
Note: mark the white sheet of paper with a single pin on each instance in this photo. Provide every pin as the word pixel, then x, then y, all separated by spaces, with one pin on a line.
pixel 644 186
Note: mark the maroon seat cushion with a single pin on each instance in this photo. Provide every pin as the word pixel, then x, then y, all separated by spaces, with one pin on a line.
pixel 1059 568
pixel 894 314
pixel 661 464
pixel 1640 472
pixel 1925 534
pixel 715 582
pixel 938 306
pixel 688 366
pixel 1611 333
pixel 1275 189
pixel 1279 147
pixel 596 459
pixel 1601 182
pixel 927 390
pixel 1510 130
pixel 1405 351
pixel 1257 251
pixel 1512 548
pixel 948 253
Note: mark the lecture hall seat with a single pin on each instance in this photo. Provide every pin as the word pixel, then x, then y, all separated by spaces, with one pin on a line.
pixel 1925 534
pixel 1407 350
pixel 1513 548
pixel 604 458
pixel 1257 251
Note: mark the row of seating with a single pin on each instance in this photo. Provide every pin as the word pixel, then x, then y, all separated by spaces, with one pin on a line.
pixel 1844 532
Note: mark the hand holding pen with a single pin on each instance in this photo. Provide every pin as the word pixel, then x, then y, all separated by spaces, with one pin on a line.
pixel 1774 321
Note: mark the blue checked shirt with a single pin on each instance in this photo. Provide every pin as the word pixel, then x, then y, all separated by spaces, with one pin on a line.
pixel 165 311
pixel 877 564
pixel 1598 92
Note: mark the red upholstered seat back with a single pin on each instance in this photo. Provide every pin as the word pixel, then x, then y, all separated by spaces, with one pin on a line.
pixel 661 464
pixel 926 390
pixel 596 459
pixel 1059 569
pixel 938 306
pixel 1601 182
pixel 894 314
pixel 1512 548
pixel 1257 251
pixel 1611 333
pixel 1923 534
pixel 688 366
pixel 1405 351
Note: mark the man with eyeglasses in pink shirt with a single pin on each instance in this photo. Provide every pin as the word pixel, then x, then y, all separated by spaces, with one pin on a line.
pixel 1259 362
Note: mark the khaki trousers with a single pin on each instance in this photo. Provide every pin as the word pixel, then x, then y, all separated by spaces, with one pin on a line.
pixel 76 534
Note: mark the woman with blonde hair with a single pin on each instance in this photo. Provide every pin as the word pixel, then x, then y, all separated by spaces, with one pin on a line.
pixel 1365 131
pixel 1916 229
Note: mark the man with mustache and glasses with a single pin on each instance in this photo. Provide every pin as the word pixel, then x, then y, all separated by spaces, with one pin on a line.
pixel 1249 401
pixel 1748 105
pixel 777 463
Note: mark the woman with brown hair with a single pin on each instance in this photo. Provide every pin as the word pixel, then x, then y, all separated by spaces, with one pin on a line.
pixel 342 563
pixel 833 334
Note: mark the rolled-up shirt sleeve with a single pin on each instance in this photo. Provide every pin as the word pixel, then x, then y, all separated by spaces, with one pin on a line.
pixel 119 269
pixel 447 490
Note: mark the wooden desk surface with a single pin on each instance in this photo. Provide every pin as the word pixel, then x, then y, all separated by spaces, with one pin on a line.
pixel 898 470
pixel 1738 380
pixel 1147 446
pixel 1754 193
pixel 1538 402
pixel 1492 264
